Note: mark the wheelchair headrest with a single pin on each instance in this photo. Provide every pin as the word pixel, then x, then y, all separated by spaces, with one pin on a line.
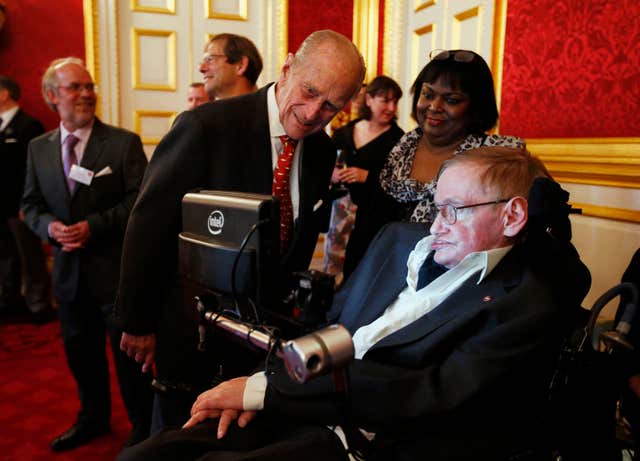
pixel 549 210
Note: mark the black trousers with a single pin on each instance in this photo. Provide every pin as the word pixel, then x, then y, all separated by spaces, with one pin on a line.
pixel 85 324
pixel 263 439
pixel 23 265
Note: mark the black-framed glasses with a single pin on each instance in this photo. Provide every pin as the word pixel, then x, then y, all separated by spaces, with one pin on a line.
pixel 459 55
pixel 450 212
pixel 208 58
pixel 78 87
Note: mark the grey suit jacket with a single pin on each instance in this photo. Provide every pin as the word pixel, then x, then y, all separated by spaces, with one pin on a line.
pixel 105 204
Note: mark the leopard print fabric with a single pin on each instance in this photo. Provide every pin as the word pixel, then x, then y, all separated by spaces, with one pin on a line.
pixel 395 179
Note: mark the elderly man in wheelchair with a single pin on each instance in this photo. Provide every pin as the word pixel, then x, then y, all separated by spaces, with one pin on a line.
pixel 456 337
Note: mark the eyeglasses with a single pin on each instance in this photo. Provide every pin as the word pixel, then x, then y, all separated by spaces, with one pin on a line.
pixel 450 212
pixel 78 87
pixel 459 55
pixel 209 58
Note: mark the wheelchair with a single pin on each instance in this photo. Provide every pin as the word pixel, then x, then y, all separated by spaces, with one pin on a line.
pixel 583 420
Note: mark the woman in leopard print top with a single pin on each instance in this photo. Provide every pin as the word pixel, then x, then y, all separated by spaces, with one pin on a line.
pixel 454 104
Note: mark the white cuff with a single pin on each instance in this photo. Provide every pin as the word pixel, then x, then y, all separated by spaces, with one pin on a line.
pixel 254 391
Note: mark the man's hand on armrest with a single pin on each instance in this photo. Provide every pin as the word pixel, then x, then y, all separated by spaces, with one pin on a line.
pixel 224 401
pixel 140 348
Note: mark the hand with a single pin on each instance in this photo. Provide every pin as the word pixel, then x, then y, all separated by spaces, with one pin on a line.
pixel 224 401
pixel 58 232
pixel 353 174
pixel 79 233
pixel 335 176
pixel 70 237
pixel 226 416
pixel 140 348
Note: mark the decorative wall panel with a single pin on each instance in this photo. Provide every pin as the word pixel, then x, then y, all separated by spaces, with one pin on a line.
pixel 154 6
pixel 227 9
pixel 154 59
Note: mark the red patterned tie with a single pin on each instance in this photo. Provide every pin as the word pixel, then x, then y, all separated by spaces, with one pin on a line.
pixel 280 190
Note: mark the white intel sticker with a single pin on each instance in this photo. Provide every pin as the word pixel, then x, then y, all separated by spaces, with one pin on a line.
pixel 215 222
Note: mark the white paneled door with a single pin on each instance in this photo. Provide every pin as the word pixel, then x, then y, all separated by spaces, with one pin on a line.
pixel 147 53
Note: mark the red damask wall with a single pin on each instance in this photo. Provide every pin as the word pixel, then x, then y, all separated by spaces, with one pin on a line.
pixel 571 69
pixel 306 16
pixel 35 33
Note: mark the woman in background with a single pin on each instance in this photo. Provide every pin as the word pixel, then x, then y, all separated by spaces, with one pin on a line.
pixel 368 141
pixel 454 104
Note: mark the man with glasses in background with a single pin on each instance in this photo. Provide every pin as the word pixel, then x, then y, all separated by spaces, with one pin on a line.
pixel 82 180
pixel 230 66
pixel 456 335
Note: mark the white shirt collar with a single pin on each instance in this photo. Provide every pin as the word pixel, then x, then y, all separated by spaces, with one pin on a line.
pixel 7 116
pixel 81 133
pixel 484 260
pixel 275 127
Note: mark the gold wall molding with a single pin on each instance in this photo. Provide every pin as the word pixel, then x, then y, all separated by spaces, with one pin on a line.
pixel 497 51
pixel 618 214
pixel 241 15
pixel 282 30
pixel 170 7
pixel 91 47
pixel 420 5
pixel 596 161
pixel 171 59
pixel 138 115
pixel 365 33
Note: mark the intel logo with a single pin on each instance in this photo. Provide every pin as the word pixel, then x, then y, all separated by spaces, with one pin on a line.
pixel 215 222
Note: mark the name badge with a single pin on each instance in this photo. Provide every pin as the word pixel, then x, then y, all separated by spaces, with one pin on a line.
pixel 81 175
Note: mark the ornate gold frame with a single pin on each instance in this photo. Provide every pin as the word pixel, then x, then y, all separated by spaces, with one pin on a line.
pixel 421 5
pixel 170 9
pixel 171 65
pixel 596 161
pixel 91 51
pixel 137 123
pixel 243 12
pixel 365 33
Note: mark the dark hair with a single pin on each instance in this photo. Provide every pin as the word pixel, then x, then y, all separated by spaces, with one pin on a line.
pixel 473 78
pixel 9 84
pixel 381 85
pixel 237 46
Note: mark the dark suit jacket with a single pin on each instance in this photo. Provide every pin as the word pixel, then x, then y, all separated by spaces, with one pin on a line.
pixel 14 140
pixel 467 380
pixel 223 145
pixel 105 204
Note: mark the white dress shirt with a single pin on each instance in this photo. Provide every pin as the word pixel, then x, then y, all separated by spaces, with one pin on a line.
pixel 409 306
pixel 83 137
pixel 275 131
pixel 7 116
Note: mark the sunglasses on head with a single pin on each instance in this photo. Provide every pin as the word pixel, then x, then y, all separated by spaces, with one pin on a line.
pixel 460 55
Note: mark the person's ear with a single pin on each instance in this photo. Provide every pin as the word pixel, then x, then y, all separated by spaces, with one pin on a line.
pixel 514 216
pixel 52 96
pixel 286 67
pixel 242 65
pixel 367 99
